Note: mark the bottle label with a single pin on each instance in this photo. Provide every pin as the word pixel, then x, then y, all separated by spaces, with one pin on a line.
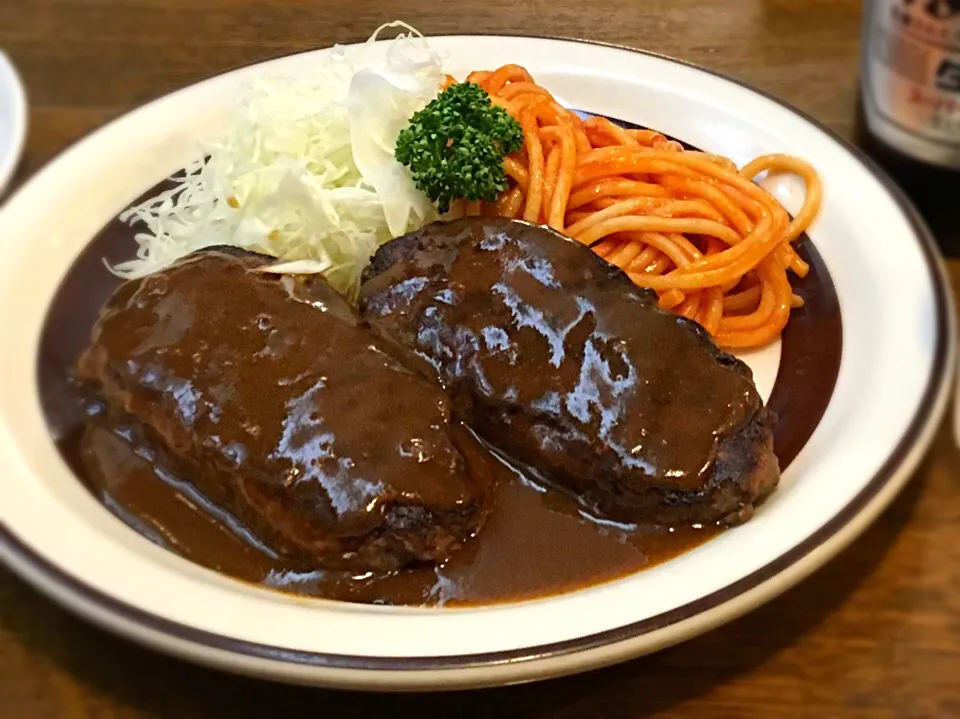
pixel 911 77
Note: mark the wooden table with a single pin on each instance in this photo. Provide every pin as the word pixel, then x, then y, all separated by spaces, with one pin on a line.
pixel 874 634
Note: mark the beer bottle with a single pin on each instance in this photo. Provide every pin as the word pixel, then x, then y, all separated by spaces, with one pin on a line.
pixel 908 115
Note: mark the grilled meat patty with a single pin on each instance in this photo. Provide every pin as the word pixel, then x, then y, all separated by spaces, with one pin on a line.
pixel 557 359
pixel 279 406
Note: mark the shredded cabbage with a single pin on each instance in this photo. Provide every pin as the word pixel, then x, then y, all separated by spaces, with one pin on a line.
pixel 305 170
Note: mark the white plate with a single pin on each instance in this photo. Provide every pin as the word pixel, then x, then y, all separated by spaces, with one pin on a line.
pixel 13 120
pixel 897 354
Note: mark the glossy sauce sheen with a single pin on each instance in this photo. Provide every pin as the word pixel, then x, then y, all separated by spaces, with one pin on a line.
pixel 246 376
pixel 267 393
pixel 535 543
pixel 555 357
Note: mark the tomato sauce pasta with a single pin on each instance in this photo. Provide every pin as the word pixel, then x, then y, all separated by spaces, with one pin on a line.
pixel 715 246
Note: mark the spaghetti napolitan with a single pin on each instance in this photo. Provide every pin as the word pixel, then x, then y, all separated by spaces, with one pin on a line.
pixel 715 246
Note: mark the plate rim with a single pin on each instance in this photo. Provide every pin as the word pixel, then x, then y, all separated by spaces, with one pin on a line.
pixel 88 600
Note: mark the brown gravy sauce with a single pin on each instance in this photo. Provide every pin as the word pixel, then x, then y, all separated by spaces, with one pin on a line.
pixel 536 542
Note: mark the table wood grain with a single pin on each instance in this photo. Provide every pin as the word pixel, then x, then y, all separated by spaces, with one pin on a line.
pixel 873 635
